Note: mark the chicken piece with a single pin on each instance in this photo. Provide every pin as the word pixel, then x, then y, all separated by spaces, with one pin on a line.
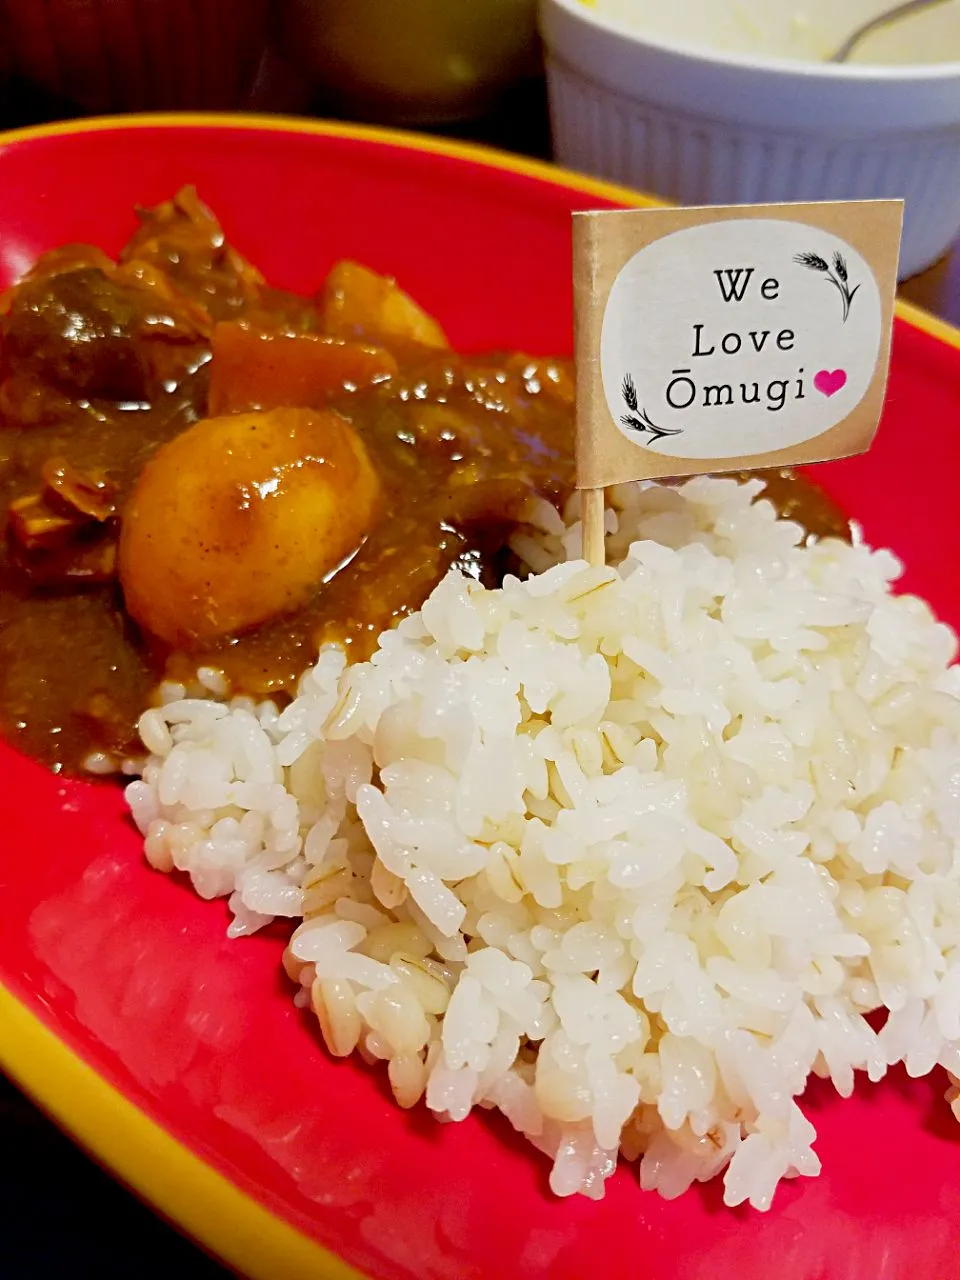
pixel 73 330
pixel 177 315
pixel 239 519
pixel 70 501
pixel 69 258
pixel 27 401
pixel 358 304
pixel 86 494
pixel 60 261
pixel 90 333
pixel 263 369
pixel 64 535
pixel 36 527
pixel 182 239
pixel 88 558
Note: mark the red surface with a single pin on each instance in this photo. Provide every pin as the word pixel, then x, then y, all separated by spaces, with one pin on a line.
pixel 135 974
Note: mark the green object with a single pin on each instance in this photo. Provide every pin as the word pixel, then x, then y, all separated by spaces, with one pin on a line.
pixel 411 60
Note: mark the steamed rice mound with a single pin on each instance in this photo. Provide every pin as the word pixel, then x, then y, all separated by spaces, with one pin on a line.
pixel 626 853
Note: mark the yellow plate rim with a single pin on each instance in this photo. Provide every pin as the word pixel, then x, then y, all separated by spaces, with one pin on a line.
pixel 182 1187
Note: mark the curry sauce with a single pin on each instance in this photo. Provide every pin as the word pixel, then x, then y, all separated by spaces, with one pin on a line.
pixel 104 363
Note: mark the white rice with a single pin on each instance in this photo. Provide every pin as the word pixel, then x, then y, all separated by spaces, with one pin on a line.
pixel 626 853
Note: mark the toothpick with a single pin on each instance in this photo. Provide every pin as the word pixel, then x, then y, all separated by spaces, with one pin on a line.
pixel 591 520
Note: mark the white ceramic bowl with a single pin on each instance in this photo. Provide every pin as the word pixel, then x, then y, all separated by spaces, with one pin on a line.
pixel 724 102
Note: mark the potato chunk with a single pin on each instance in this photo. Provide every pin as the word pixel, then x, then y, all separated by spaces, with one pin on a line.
pixel 239 518
pixel 259 369
pixel 358 304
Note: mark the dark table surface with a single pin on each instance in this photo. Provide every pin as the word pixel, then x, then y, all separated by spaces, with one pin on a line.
pixel 59 1213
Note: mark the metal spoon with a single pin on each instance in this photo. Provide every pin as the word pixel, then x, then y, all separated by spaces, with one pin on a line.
pixel 875 24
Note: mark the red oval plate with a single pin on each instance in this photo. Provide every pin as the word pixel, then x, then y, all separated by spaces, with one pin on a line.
pixel 175 1056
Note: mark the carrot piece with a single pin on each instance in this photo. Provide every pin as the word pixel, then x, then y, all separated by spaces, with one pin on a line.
pixel 259 369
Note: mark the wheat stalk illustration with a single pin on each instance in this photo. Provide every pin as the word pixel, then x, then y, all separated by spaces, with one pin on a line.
pixel 638 419
pixel 838 275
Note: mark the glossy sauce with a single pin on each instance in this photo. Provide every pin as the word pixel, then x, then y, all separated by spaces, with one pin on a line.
pixel 103 364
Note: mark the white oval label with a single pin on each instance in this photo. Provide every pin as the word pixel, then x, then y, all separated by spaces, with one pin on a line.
pixel 739 337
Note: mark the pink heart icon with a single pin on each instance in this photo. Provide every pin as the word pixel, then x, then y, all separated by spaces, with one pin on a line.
pixel 829 382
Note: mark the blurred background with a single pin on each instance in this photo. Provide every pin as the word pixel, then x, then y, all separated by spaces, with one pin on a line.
pixel 696 131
